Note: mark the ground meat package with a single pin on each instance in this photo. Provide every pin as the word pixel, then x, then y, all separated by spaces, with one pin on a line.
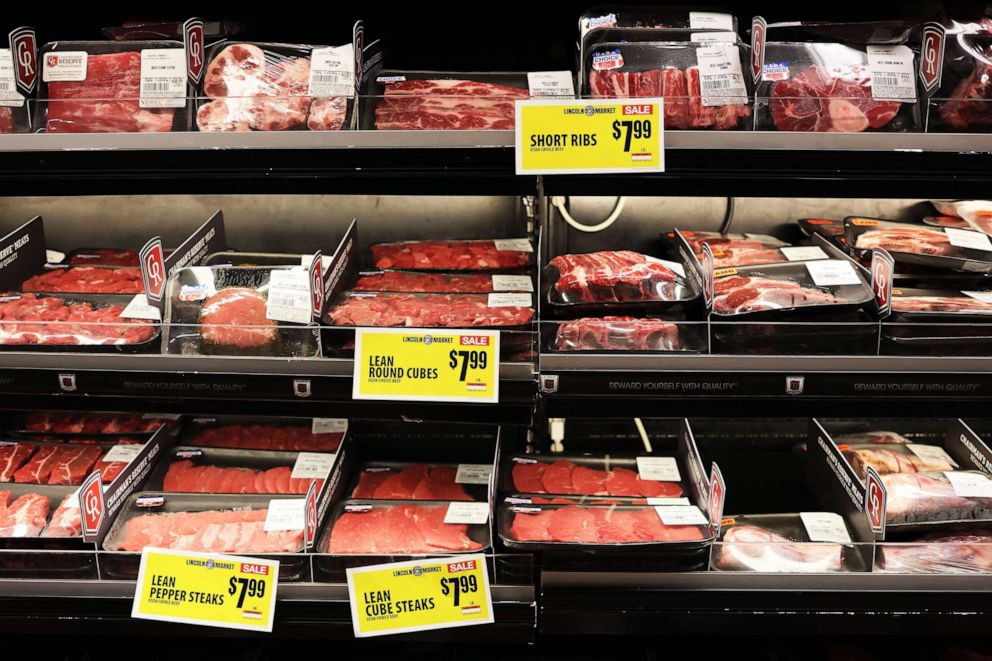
pixel 703 83
pixel 228 311
pixel 266 433
pixel 846 77
pixel 921 246
pixel 967 550
pixel 113 87
pixel 484 255
pixel 251 86
pixel 782 543
pixel 956 76
pixel 442 100
pixel 938 322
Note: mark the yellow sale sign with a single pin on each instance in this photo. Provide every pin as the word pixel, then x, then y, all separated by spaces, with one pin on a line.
pixel 420 595
pixel 207 589
pixel 430 365
pixel 587 136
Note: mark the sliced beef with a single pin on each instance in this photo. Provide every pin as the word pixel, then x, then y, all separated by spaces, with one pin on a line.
pixel 235 317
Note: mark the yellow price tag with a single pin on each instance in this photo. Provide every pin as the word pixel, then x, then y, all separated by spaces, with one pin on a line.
pixel 208 589
pixel 590 136
pixel 428 365
pixel 420 595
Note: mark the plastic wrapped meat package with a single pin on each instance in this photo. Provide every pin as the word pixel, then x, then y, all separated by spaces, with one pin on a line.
pixel 962 97
pixel 214 470
pixel 778 543
pixel 585 476
pixel 50 461
pixel 267 87
pixel 923 499
pixel 964 551
pixel 838 77
pixel 78 322
pixel 86 280
pixel 731 250
pixel 226 311
pixel 920 245
pixel 427 283
pixel 412 481
pixel 429 310
pixel 656 17
pixel 96 87
pixel 897 458
pixel 454 255
pixel 250 434
pixel 37 511
pixel 938 322
pixel 702 83
pixel 90 422
pixel 613 333
pixel 533 526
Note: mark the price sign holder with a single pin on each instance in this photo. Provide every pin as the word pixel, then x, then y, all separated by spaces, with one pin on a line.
pixel 420 595
pixel 589 136
pixel 426 365
pixel 206 589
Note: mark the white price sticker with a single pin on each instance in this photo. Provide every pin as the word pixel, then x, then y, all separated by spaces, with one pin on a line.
pixel 674 266
pixel 466 512
pixel 659 469
pixel 970 485
pixel 9 96
pixel 473 473
pixel 123 453
pixel 983 296
pixel 550 83
pixel 825 527
pixel 54 256
pixel 329 426
pixel 892 73
pixel 163 78
pixel 707 37
pixel 933 454
pixel 668 502
pixel 285 514
pixel 721 79
pixel 313 465
pixel 803 253
pixel 513 283
pixel 708 20
pixel 968 239
pixel 289 296
pixel 514 245
pixel 332 72
pixel 139 308
pixel 510 300
pixel 832 273
pixel 63 66
pixel 681 515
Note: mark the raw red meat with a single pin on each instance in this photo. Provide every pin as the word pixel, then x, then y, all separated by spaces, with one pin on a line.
pixel 328 114
pixel 66 422
pixel 414 482
pixel 430 283
pixel 956 304
pixel 729 252
pixel 71 465
pixel 399 530
pixel 878 437
pixel 65 521
pixel 235 317
pixel 955 553
pixel 829 99
pixel 447 255
pixel 612 276
pixel 740 295
pixel 702 116
pixel 87 280
pixel 897 459
pixel 183 476
pixel 6 120
pixel 13 457
pixel 917 240
pixel 447 105
pixel 225 531
pixel 265 437
pixel 916 497
pixel 753 548
pixel 970 104
pixel 39 468
pixel 425 311
pixel 597 525
pixel 107 101
pixel 565 477
pixel 528 477
pixel 109 470
pixel 106 257
pixel 617 334
pixel 29 319
pixel 623 482
pixel 24 517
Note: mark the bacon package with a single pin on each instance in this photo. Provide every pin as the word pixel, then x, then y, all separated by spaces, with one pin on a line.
pixel 276 87
pixel 919 245
pixel 78 322
pixel 780 543
pixel 837 77
pixel 444 255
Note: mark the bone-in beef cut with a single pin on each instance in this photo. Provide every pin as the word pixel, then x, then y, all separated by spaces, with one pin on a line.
pixel 617 334
pixel 970 104
pixel 65 521
pixel 565 477
pixel 258 90
pixel 24 517
pixel 822 99
pixel 65 422
pixel 266 437
pixel 235 317
pixel 447 105
pixel 185 477
pixel 612 276
pixel 916 240
pixel 427 283
pixel 897 459
pixel 399 530
pixel 753 548
pixel 955 304
pixel 413 482
pixel 916 497
pixel 732 251
pixel 597 525
pixel 12 457
pixel 941 553
pixel 740 295
pixel 29 319
pixel 224 531
pixel 425 311
pixel 106 102
pixel 447 256
pixel 702 116
pixel 87 280
pixel 106 257
pixel 878 437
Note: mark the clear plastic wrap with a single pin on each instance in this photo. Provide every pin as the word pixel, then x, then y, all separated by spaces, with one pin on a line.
pixel 36 511
pixel 53 462
pixel 779 288
pixel 584 476
pixel 961 98
pixel 381 480
pixel 775 543
pixel 212 470
pixel 873 437
pixel 78 322
pixel 427 311
pixel 445 255
pixel 927 498
pixel 103 257
pixel 656 17
pixel 87 422
pixel 920 245
pixel 427 283
pixel 968 551
pixel 896 458
pixel 620 334
pixel 259 434
pixel 736 249
pixel 86 280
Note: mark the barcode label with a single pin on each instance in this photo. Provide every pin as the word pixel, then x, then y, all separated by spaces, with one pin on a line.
pixel 332 72
pixel 163 78
pixel 717 84
pixel 892 73
pixel 721 80
pixel 289 296
pixel 9 96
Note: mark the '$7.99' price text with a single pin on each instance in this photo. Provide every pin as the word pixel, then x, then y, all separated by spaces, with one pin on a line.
pixel 628 129
pixel 456 586
pixel 477 360
pixel 249 587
